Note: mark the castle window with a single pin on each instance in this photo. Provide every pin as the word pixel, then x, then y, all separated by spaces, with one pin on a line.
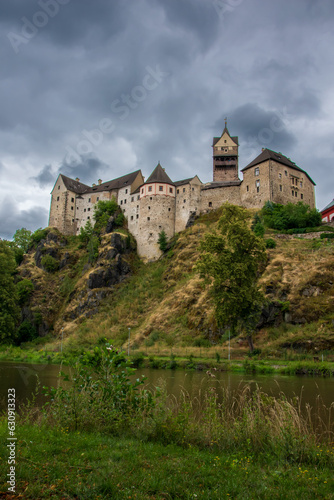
pixel 280 176
pixel 88 209
pixel 77 208
pixel 280 187
pixel 138 197
pixel 121 202
pixel 88 217
pixel 149 208
pixel 301 196
pixel 192 189
pixel 151 198
pixel 150 188
pixel 72 200
pixel 159 227
pixel 72 220
pixel 296 194
pixel 97 199
pixel 132 198
pixel 148 218
pixel 57 206
pixel 151 234
pixel 184 190
pixel 177 191
pixel 257 184
pixel 286 173
pixel 131 217
pixel 126 191
pixel 171 190
pixel 137 216
pixel 137 207
pixel 169 210
pixel 84 210
pixel 124 202
pixel 301 184
pixel 225 141
pixel 257 171
pixel 161 188
pixel 123 210
pixel 210 203
pixel 57 198
pixel 58 187
pixel 142 191
pixel 247 187
pixel 293 193
pixel 88 200
pixel 72 208
pixel 184 201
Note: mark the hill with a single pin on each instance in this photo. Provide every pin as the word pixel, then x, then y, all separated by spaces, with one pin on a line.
pixel 165 303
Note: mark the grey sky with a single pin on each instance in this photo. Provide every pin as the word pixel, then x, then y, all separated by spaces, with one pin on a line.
pixel 99 89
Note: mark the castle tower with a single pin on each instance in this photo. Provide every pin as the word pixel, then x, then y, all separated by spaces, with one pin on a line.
pixel 225 157
pixel 157 212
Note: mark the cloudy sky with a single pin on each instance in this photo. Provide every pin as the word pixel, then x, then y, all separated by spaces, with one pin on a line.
pixel 99 89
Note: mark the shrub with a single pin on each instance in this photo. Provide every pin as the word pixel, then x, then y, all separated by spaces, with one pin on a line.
pixel 25 333
pixel 24 290
pixel 38 235
pixel 327 235
pixel 290 216
pixel 49 263
pixel 93 248
pixel 120 219
pixel 137 360
pixel 102 211
pixel 162 241
pixel 86 232
pixel 270 243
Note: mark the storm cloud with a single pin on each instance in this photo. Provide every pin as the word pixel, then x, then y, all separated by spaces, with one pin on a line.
pixel 99 89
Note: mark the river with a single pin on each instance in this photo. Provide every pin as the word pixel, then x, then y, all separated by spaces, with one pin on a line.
pixel 23 377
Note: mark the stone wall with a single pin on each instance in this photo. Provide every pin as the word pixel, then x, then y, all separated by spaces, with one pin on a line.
pixel 63 209
pixel 188 200
pixel 213 197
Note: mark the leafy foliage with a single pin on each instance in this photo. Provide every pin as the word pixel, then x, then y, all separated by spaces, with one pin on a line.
pixel 24 290
pixel 290 216
pixel 9 311
pixel 38 235
pixel 101 390
pixel 102 211
pixel 162 241
pixel 49 263
pixel 25 333
pixel 93 248
pixel 270 243
pixel 86 232
pixel 231 261
pixel 22 239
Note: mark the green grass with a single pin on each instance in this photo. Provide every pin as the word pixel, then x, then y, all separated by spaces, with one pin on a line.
pixel 66 465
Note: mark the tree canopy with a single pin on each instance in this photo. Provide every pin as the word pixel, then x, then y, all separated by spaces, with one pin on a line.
pixel 231 259
pixel 9 310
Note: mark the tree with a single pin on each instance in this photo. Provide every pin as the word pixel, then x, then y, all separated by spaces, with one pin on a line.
pixel 9 310
pixel 231 260
pixel 162 241
pixel 22 239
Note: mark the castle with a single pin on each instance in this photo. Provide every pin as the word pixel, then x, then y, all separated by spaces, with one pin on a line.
pixel 160 204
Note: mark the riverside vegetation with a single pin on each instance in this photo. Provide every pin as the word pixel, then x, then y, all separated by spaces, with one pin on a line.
pixel 107 437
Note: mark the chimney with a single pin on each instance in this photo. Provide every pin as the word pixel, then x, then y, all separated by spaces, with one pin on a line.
pixel 100 182
pixel 263 149
pixel 77 179
pixel 93 185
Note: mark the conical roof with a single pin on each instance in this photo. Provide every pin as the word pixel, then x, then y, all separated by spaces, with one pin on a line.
pixel 159 175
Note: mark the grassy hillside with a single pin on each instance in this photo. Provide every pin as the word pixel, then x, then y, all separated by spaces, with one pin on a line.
pixel 167 306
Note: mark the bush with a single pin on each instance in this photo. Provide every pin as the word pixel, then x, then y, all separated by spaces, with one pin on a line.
pixel 49 263
pixel 120 219
pixel 25 333
pixel 103 210
pixel 93 248
pixel 270 243
pixel 24 290
pixel 38 235
pixel 327 235
pixel 162 241
pixel 86 232
pixel 289 216
pixel 137 360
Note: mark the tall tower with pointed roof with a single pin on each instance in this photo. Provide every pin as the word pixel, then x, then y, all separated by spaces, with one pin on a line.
pixel 225 157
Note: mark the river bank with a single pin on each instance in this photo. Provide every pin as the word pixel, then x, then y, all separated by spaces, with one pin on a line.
pixel 299 364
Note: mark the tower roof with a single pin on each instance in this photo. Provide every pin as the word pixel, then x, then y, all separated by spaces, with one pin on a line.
pixel 159 175
pixel 268 154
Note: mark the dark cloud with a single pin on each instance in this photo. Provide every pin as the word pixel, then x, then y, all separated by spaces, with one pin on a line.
pixel 45 177
pixel 12 218
pixel 87 168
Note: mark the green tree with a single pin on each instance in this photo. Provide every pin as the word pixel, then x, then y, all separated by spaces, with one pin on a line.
pixel 22 239
pixel 9 310
pixel 231 260
pixel 162 241
pixel 24 290
pixel 102 211
pixel 86 232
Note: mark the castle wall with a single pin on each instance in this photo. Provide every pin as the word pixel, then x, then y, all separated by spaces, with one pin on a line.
pixel 213 197
pixel 278 183
pixel 157 213
pixel 188 200
pixel 62 208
